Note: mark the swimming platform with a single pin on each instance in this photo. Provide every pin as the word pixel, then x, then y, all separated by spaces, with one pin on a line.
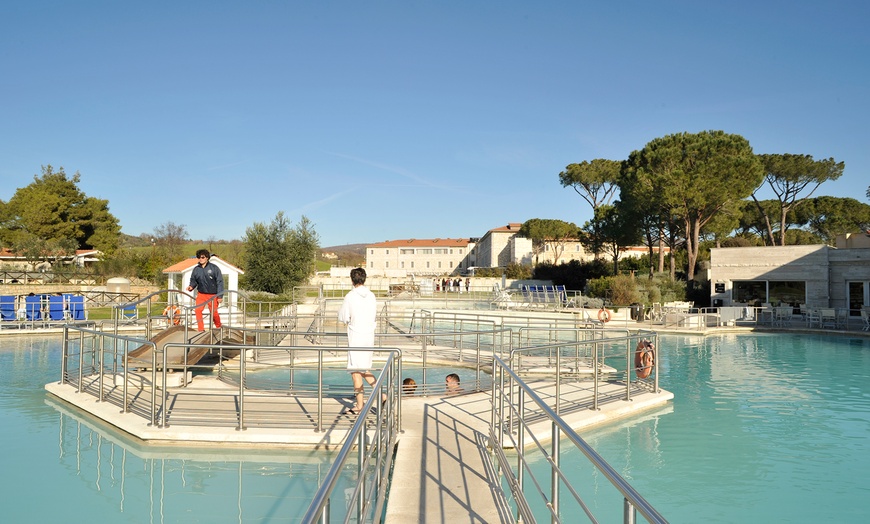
pixel 442 469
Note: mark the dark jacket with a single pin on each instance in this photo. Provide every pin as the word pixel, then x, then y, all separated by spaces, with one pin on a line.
pixel 207 279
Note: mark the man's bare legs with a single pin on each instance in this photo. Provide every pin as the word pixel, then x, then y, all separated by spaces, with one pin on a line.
pixel 358 377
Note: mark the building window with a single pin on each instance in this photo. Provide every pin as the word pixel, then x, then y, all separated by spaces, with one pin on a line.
pixel 750 292
pixel 451 263
pixel 406 251
pixel 774 292
pixel 373 252
pixel 439 264
pixel 371 265
pixel 412 264
pixel 427 265
pixel 388 251
pixel 402 264
pixel 387 264
pixel 782 293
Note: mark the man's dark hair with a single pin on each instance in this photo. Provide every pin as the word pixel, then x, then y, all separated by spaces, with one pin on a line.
pixel 358 276
pixel 453 376
pixel 202 252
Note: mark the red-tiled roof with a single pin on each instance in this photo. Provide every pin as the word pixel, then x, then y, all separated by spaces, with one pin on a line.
pixel 187 263
pixel 8 253
pixel 512 227
pixel 418 242
pixel 179 267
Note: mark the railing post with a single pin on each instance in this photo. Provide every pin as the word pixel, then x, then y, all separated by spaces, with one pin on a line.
pixel 595 376
pixel 242 377
pixel 628 367
pixel 554 472
pixel 629 514
pixel 521 445
pixel 320 390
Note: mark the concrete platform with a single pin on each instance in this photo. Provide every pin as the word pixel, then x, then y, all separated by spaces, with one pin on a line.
pixel 443 470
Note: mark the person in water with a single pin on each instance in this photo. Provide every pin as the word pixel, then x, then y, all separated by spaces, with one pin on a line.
pixel 644 358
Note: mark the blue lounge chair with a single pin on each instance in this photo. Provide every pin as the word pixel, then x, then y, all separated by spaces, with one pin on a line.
pixel 33 307
pixel 7 307
pixel 77 307
pixel 129 312
pixel 55 308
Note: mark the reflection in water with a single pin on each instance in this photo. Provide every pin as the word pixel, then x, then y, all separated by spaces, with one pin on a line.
pixel 765 428
pixel 167 483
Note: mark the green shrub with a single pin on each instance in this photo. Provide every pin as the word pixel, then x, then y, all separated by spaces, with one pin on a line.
pixel 624 290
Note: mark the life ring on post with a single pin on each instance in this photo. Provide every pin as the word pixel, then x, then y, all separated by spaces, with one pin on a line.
pixel 604 315
pixel 173 314
pixel 644 359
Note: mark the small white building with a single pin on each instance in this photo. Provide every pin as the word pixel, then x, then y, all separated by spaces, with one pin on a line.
pixel 178 277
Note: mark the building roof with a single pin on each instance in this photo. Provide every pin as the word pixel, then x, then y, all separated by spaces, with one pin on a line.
pixel 188 263
pixel 512 227
pixel 8 253
pixel 418 242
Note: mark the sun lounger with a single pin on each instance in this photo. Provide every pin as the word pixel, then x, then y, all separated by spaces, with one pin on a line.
pixel 7 307
pixel 56 308
pixel 77 307
pixel 33 307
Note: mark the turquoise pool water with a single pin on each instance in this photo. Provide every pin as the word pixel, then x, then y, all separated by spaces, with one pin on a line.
pixel 61 466
pixel 763 428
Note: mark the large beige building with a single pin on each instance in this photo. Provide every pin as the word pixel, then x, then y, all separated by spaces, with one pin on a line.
pixel 423 257
pixel 499 247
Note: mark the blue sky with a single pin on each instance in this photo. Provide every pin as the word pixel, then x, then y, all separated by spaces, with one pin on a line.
pixel 408 119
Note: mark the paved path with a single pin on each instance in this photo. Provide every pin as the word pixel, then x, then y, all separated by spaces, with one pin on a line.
pixel 443 471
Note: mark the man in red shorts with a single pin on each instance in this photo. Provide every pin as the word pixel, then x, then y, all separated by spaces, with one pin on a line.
pixel 209 283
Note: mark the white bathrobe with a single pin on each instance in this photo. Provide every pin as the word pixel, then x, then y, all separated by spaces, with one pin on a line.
pixel 358 311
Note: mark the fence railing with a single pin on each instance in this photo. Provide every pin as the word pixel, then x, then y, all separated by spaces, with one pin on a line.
pixel 515 405
pixel 51 277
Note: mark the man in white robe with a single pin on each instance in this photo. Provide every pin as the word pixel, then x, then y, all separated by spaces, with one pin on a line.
pixel 358 311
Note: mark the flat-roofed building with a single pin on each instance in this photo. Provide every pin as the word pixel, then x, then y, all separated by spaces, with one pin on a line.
pixel 815 275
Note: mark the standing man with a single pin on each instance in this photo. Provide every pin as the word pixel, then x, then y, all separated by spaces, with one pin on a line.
pixel 209 283
pixel 358 311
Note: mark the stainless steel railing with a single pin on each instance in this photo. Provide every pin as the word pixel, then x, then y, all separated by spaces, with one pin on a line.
pixel 373 438
pixel 515 403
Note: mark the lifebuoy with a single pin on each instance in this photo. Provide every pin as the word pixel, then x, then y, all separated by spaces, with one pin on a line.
pixel 604 315
pixel 644 359
pixel 173 314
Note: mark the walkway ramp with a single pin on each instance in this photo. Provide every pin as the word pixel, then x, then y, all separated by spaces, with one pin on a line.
pixel 142 356
pixel 443 471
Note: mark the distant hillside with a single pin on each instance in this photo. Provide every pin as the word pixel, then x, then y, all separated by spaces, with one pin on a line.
pixel 359 249
pixel 346 254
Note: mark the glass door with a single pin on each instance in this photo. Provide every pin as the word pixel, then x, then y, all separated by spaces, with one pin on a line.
pixel 859 296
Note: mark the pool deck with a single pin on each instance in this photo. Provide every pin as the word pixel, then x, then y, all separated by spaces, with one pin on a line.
pixel 442 472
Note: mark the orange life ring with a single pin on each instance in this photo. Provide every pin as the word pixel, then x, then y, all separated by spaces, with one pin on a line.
pixel 604 315
pixel 644 359
pixel 173 314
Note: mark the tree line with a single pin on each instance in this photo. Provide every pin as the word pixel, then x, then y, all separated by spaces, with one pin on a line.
pixel 685 189
pixel 51 218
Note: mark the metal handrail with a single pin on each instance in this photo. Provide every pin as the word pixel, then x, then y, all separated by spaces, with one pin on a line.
pixel 377 450
pixel 504 383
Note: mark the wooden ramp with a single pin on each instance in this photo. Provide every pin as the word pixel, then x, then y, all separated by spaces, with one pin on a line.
pixel 176 356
